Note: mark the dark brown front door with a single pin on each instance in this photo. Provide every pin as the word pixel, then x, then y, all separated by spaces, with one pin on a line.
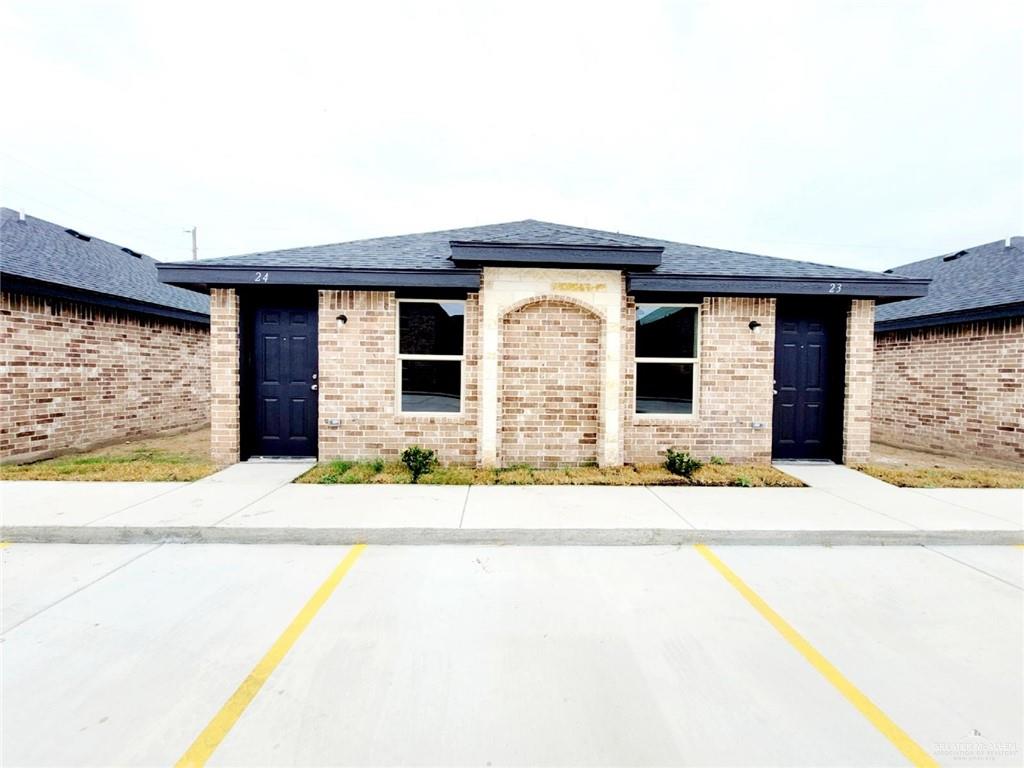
pixel 809 351
pixel 283 382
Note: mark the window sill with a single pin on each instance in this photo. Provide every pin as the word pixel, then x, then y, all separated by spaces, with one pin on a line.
pixel 648 419
pixel 429 416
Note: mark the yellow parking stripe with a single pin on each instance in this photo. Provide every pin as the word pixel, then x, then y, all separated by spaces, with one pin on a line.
pixel 899 738
pixel 4 544
pixel 222 723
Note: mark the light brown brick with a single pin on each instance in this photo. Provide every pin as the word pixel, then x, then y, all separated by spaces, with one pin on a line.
pixel 74 375
pixel 953 388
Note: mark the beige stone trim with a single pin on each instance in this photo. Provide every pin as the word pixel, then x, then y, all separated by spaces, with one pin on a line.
pixel 503 290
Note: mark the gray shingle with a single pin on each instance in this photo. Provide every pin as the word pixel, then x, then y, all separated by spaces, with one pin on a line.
pixel 984 276
pixel 430 250
pixel 40 250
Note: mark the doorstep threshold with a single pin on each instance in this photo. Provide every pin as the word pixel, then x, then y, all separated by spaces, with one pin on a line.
pixel 818 462
pixel 280 460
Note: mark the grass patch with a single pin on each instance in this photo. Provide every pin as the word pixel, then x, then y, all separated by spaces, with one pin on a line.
pixel 137 465
pixel 380 472
pixel 936 477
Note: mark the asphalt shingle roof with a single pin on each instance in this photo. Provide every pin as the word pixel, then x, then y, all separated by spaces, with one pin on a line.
pixel 985 276
pixel 40 250
pixel 430 250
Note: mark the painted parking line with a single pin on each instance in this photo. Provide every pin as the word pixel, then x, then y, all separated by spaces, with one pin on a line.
pixel 218 728
pixel 896 735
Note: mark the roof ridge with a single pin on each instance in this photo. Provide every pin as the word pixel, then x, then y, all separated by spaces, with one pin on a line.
pixel 712 248
pixel 602 234
pixel 781 259
pixel 374 239
pixel 529 230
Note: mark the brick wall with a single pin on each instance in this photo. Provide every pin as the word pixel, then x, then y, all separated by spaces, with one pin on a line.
pixel 224 382
pixel 953 388
pixel 735 388
pixel 550 385
pixel 73 376
pixel 548 379
pixel 359 384
pixel 860 324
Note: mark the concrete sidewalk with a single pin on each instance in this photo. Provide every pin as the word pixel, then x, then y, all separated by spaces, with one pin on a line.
pixel 257 502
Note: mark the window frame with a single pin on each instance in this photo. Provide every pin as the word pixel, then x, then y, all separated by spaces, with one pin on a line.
pixel 695 361
pixel 400 356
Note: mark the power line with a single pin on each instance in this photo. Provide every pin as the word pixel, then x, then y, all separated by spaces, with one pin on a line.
pixel 71 218
pixel 99 198
pixel 849 245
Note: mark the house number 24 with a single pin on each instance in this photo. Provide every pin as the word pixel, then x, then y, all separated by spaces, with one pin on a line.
pixel 261 277
pixel 832 287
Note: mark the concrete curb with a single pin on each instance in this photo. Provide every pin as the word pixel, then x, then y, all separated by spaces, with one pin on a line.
pixel 511 536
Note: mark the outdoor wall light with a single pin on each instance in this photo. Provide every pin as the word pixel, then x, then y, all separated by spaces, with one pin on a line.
pixel 754 326
pixel 342 319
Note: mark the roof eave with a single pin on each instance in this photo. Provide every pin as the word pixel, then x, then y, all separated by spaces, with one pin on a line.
pixel 603 256
pixel 32 287
pixel 202 277
pixel 980 314
pixel 732 285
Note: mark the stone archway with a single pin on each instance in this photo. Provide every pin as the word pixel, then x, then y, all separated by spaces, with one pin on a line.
pixel 549 394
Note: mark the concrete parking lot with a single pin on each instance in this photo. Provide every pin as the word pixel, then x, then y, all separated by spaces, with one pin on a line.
pixel 466 655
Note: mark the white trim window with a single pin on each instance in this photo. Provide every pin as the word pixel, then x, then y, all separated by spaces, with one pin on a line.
pixel 431 340
pixel 667 354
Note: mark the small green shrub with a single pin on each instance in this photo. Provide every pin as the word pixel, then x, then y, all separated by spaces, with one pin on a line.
pixel 377 465
pixel 418 461
pixel 681 463
pixel 718 460
pixel 742 481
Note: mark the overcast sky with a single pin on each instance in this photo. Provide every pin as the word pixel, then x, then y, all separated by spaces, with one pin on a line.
pixel 864 134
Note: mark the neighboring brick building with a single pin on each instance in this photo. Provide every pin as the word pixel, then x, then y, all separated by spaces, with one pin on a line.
pixel 537 343
pixel 93 347
pixel 950 366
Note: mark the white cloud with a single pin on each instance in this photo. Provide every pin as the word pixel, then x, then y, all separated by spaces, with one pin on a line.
pixel 862 134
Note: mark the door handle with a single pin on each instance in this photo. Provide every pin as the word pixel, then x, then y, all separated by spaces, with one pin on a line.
pixel 314 387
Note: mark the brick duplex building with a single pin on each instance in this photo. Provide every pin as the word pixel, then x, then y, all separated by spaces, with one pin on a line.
pixel 950 366
pixel 93 347
pixel 538 343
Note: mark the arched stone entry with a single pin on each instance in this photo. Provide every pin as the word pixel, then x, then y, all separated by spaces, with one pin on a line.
pixel 549 395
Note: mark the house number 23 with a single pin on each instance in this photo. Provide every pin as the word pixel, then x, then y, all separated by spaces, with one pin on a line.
pixel 832 287
pixel 261 277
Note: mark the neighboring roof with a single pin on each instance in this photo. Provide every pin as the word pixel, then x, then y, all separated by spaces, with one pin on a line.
pixel 365 262
pixel 979 283
pixel 58 262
